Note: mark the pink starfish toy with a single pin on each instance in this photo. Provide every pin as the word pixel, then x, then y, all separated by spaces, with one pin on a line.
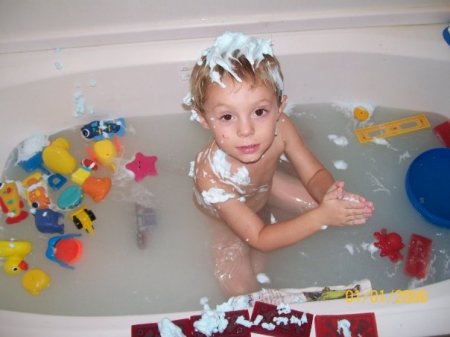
pixel 142 166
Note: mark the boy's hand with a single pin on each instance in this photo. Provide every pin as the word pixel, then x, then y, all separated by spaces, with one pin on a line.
pixel 341 208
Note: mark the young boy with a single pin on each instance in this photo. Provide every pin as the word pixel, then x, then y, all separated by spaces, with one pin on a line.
pixel 237 94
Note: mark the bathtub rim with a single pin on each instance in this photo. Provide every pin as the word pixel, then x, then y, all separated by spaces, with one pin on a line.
pixel 405 319
pixel 202 27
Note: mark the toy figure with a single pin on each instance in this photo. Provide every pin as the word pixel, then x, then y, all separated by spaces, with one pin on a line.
pixel 99 130
pixel 36 191
pixel 47 221
pixel 11 203
pixel 389 244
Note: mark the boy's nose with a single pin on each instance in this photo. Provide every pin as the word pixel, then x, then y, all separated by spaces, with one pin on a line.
pixel 245 129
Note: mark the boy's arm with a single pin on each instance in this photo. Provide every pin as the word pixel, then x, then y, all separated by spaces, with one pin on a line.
pixel 245 223
pixel 316 178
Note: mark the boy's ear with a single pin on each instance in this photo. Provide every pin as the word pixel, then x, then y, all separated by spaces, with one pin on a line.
pixel 202 120
pixel 282 105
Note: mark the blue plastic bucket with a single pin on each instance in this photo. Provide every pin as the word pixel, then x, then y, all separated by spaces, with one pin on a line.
pixel 428 185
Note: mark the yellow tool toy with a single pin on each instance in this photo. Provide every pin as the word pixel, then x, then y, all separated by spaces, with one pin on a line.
pixel 392 128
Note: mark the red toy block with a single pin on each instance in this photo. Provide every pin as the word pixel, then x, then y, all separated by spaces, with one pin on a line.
pixel 270 315
pixel 233 329
pixel 418 257
pixel 442 131
pixel 151 329
pixel 361 324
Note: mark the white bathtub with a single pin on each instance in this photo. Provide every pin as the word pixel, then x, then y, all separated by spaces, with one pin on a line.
pixel 405 66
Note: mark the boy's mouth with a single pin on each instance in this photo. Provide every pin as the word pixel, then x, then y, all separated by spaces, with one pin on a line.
pixel 248 149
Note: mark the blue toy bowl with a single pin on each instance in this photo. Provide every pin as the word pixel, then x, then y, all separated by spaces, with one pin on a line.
pixel 428 185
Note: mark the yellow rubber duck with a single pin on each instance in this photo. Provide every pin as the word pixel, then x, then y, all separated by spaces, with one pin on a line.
pixel 14 252
pixel 35 281
pixel 57 157
pixel 105 152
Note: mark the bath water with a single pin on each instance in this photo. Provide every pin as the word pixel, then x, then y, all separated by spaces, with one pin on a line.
pixel 117 277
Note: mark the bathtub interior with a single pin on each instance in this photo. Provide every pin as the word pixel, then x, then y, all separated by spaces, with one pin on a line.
pixel 44 100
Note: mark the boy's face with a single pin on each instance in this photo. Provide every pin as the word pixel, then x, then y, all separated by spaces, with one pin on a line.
pixel 242 117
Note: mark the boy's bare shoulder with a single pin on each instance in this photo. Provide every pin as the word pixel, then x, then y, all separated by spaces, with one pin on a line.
pixel 204 176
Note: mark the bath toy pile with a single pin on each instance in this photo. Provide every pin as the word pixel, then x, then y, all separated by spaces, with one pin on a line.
pixel 54 191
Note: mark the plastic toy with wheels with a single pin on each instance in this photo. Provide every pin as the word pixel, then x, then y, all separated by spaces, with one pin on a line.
pixel 84 218
pixel 14 252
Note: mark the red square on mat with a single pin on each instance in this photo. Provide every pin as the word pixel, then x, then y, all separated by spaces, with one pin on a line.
pixel 232 330
pixel 151 329
pixel 270 315
pixel 361 324
pixel 418 258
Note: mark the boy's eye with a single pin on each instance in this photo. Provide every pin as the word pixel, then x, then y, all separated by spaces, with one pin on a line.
pixel 226 117
pixel 260 112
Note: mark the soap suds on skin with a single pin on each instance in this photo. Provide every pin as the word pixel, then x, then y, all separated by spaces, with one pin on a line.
pixel 216 195
pixel 222 168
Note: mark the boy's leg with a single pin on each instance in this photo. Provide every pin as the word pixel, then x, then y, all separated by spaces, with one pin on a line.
pixel 289 194
pixel 235 262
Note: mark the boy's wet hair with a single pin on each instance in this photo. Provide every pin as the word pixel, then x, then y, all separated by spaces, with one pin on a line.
pixel 266 71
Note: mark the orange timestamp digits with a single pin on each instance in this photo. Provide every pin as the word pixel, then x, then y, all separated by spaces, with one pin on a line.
pixel 407 296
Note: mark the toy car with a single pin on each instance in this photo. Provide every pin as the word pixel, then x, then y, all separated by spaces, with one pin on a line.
pixel 84 218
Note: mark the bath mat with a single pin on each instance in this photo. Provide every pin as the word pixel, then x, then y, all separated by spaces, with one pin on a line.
pixel 361 324
pixel 281 323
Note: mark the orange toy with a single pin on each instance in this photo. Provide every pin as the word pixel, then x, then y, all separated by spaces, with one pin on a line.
pixel 69 250
pixel 36 192
pixel 97 188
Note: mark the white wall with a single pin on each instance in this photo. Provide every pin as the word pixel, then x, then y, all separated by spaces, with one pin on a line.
pixel 47 24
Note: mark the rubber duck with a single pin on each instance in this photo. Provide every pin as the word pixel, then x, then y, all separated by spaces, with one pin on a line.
pixel 35 281
pixel 105 151
pixel 57 157
pixel 14 253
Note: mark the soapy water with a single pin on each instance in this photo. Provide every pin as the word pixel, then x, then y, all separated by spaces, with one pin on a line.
pixel 116 277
